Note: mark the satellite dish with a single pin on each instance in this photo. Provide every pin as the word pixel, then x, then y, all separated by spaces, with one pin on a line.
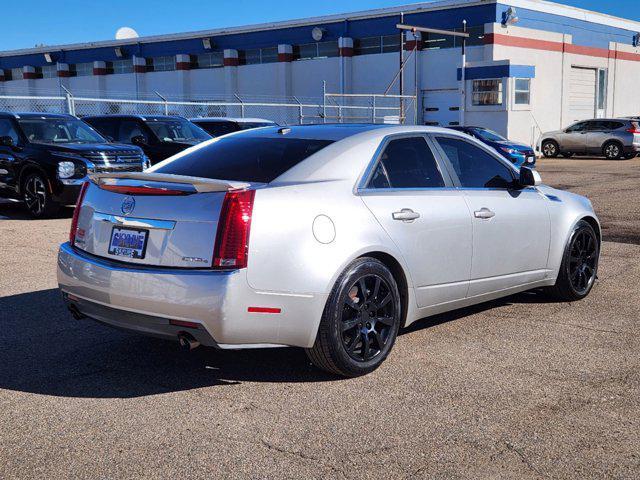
pixel 317 33
pixel 125 33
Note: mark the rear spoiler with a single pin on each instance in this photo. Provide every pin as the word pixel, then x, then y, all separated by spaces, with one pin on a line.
pixel 202 185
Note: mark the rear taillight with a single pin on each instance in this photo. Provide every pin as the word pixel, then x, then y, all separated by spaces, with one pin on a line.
pixel 234 225
pixel 76 213
pixel 634 130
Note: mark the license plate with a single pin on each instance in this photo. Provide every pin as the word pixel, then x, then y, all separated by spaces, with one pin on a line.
pixel 128 242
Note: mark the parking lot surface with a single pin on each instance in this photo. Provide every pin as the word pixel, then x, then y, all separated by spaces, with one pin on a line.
pixel 518 388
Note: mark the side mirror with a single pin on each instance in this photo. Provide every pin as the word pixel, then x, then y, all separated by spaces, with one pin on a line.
pixel 6 141
pixel 138 140
pixel 529 177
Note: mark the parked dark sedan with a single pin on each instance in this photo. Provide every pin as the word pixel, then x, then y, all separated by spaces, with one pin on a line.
pixel 160 136
pixel 517 153
pixel 45 158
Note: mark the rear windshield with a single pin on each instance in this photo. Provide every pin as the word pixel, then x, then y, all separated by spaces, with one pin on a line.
pixel 247 159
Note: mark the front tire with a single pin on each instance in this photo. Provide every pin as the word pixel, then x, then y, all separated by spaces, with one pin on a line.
pixel 37 198
pixel 360 321
pixel 550 148
pixel 579 266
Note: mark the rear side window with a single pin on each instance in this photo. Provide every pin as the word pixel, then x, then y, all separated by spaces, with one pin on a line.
pixel 475 167
pixel 248 159
pixel 407 163
pixel 217 129
pixel 105 127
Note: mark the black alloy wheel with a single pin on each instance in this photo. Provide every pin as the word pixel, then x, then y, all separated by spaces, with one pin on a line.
pixel 368 317
pixel 583 260
pixel 579 268
pixel 36 196
pixel 360 321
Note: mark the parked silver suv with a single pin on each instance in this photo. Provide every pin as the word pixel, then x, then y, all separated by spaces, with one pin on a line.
pixel 614 138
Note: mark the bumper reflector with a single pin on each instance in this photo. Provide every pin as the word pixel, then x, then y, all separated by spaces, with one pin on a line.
pixel 263 310
pixel 182 323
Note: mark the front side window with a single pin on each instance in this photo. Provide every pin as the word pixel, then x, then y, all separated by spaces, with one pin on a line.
pixel 177 130
pixel 243 158
pixel 577 127
pixel 7 130
pixel 522 91
pixel 59 130
pixel 407 163
pixel 487 92
pixel 475 167
pixel 130 129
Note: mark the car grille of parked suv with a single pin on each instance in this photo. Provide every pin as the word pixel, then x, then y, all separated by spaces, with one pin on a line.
pixel 104 162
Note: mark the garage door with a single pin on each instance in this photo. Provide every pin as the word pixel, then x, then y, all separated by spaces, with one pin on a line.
pixel 582 94
pixel 441 107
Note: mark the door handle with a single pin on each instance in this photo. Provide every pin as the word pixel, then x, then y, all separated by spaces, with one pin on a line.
pixel 406 215
pixel 484 213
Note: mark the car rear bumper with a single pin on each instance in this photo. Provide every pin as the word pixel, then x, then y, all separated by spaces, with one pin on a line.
pixel 221 303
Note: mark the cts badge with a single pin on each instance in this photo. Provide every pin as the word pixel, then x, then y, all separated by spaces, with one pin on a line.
pixel 128 204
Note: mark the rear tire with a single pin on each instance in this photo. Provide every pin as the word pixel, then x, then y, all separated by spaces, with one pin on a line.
pixel 37 197
pixel 360 322
pixel 566 154
pixel 629 156
pixel 550 148
pixel 612 150
pixel 579 266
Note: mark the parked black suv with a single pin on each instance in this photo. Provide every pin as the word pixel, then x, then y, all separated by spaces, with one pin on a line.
pixel 160 136
pixel 45 158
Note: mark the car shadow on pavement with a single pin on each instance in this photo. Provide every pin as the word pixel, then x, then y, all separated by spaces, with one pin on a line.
pixel 44 350
pixel 15 210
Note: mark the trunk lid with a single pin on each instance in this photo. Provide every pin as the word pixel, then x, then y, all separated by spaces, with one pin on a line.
pixel 174 226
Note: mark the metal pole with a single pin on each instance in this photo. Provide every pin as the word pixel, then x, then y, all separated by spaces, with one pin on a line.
pixel 166 105
pixel 324 101
pixel 401 80
pixel 373 113
pixel 71 107
pixel 463 76
pixel 241 104
pixel 299 110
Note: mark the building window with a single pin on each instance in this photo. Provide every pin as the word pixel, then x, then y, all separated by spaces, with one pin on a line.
pixel 602 89
pixel 162 64
pixel 120 66
pixel 522 91
pixel 17 73
pixel 269 55
pixel 487 92
pixel 305 52
pixel 49 71
pixel 209 60
pixel 249 57
pixel 390 43
pixel 328 49
pixel 81 69
pixel 367 46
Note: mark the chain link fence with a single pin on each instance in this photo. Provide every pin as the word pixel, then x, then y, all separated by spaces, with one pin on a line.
pixel 332 108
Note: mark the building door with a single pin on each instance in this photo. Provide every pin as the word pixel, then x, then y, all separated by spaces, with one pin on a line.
pixel 582 94
pixel 441 107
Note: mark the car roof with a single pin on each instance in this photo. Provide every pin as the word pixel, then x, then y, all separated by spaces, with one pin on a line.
pixel 231 119
pixel 140 117
pixel 338 131
pixel 34 115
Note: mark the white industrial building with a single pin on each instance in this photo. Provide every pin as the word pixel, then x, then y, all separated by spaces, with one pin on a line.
pixel 531 65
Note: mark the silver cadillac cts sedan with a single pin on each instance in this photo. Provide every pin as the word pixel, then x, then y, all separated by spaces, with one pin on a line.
pixel 327 237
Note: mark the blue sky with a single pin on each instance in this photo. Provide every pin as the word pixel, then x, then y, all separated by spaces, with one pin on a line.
pixel 31 22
